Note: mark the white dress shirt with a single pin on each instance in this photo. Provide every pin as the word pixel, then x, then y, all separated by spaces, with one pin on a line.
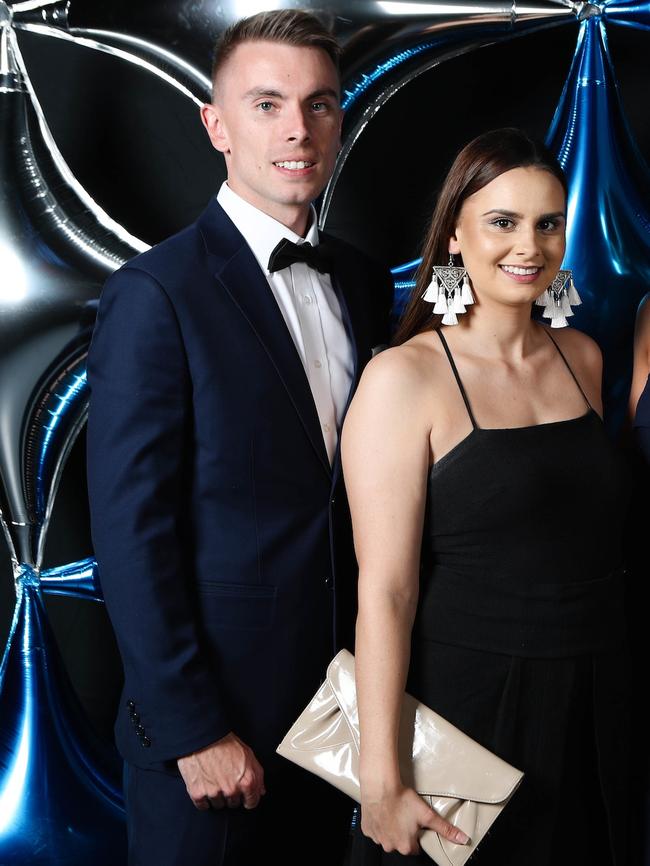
pixel 310 309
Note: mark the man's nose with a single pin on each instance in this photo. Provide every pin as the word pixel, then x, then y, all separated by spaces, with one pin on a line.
pixel 297 128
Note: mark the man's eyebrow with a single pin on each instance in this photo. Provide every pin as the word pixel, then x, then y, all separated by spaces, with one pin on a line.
pixel 323 91
pixel 258 92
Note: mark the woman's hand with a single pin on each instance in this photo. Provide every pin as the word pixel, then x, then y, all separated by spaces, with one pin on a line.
pixel 395 820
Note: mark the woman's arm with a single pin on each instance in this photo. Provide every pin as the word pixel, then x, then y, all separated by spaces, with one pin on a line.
pixel 385 449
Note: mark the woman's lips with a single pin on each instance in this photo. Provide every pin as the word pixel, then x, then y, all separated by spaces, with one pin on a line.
pixel 521 274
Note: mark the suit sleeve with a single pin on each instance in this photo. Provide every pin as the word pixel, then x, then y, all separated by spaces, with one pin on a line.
pixel 643 442
pixel 387 300
pixel 139 419
pixel 380 302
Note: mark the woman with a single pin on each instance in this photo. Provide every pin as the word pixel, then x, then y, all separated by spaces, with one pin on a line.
pixel 640 391
pixel 487 506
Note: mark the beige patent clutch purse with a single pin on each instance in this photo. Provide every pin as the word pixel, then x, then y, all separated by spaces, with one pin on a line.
pixel 461 780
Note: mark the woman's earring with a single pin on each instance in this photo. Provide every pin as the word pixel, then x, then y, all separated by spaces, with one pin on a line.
pixel 449 291
pixel 558 298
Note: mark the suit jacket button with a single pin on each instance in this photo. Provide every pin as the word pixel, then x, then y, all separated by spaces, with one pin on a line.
pixel 328 580
pixel 140 730
pixel 131 705
pixel 146 742
pixel 135 717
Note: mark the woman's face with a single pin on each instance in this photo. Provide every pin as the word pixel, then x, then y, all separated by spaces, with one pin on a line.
pixel 511 234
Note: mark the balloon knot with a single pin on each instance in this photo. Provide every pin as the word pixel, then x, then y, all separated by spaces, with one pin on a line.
pixel 6 13
pixel 588 10
pixel 26 575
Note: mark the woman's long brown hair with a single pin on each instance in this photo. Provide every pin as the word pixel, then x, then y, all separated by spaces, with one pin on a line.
pixel 478 163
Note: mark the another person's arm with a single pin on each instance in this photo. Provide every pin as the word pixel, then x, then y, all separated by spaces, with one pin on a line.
pixel 139 419
pixel 639 405
pixel 386 458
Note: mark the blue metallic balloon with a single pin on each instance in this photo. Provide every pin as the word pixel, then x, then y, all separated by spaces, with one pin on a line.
pixel 60 800
pixel 608 236
pixel 630 14
pixel 77 579
pixel 436 32
pixel 56 807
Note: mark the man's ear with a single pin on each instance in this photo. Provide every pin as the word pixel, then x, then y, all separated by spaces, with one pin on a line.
pixel 213 123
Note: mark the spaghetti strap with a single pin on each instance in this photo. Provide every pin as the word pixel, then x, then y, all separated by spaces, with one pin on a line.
pixel 575 378
pixel 458 380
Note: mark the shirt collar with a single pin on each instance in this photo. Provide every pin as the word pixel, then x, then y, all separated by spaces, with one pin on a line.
pixel 261 232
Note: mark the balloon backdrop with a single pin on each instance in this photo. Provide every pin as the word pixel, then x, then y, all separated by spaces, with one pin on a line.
pixel 59 791
pixel 608 237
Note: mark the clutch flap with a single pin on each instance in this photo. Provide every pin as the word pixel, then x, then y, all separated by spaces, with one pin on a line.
pixel 437 759
pixel 340 676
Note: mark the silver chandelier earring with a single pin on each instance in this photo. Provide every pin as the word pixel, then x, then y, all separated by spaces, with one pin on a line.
pixel 558 299
pixel 449 291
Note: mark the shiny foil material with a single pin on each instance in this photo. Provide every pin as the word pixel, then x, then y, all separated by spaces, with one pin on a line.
pixel 56 249
pixel 57 805
pixel 629 13
pixel 60 800
pixel 459 778
pixel 385 44
pixel 180 35
pixel 608 233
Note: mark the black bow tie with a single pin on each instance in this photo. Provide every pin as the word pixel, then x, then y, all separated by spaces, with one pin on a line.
pixel 286 253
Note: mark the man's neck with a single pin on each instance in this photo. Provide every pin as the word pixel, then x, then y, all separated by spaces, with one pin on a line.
pixel 294 217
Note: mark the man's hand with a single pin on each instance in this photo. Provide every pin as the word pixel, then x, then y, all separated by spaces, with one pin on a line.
pixel 227 773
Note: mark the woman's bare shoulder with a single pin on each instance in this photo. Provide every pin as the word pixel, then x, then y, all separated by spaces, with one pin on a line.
pixel 408 365
pixel 578 347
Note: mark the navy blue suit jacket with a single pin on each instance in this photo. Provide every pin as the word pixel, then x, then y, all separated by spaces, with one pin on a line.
pixel 220 530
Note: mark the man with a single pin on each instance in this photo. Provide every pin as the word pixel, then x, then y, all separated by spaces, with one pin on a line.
pixel 219 382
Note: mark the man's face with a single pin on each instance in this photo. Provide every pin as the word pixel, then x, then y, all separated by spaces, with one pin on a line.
pixel 276 118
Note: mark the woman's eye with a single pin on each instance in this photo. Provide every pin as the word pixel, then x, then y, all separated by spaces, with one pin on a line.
pixel 548 225
pixel 502 223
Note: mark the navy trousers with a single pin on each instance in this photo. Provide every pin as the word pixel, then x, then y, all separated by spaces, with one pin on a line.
pixel 301 820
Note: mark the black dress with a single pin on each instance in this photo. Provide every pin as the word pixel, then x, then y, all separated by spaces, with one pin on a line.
pixel 519 634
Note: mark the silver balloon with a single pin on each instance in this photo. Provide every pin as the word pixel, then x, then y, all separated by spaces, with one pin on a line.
pixel 56 248
pixel 53 19
pixel 385 44
pixel 59 793
pixel 430 34
pixel 187 30
pixel 175 40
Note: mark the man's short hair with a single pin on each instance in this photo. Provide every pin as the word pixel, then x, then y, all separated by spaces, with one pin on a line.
pixel 290 26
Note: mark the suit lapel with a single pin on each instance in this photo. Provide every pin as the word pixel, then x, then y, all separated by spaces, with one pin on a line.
pixel 237 270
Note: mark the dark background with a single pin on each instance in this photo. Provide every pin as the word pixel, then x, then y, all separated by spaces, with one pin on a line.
pixel 139 149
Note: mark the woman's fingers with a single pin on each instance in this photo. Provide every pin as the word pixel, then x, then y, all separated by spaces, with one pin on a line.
pixel 445 829
pixel 397 822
